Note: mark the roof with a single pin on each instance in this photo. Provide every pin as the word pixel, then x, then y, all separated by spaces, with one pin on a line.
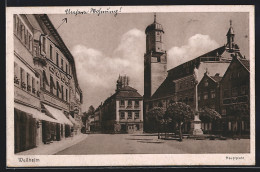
pixel 216 78
pixel 245 63
pixel 127 91
pixel 165 89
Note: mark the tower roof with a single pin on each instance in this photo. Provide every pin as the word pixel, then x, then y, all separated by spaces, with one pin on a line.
pixel 230 30
pixel 154 26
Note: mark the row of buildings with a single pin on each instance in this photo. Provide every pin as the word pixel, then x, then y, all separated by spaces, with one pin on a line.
pixel 218 80
pixel 47 96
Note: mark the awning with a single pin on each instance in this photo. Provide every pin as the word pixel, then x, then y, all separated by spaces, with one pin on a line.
pixel 34 112
pixel 58 114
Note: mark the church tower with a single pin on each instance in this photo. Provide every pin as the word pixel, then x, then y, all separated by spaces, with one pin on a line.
pixel 155 59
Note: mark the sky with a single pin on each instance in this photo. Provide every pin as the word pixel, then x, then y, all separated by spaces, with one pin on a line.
pixel 105 46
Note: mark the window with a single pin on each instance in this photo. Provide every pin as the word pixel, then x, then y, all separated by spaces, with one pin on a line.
pixel 44 44
pixel 234 91
pixel 206 83
pixel 61 63
pixel 122 115
pixel 198 97
pixel 51 84
pixel 150 105
pixel 243 90
pixel 136 115
pixel 122 102
pixel 66 94
pixel 224 111
pixel 129 116
pixel 33 85
pixel 226 93
pixel 213 94
pixel 25 36
pixel 129 102
pixel 58 89
pixel 205 96
pixel 66 68
pixel 136 103
pixel 28 82
pixel 62 95
pixel 30 42
pixel 57 59
pixel 23 85
pixel 51 52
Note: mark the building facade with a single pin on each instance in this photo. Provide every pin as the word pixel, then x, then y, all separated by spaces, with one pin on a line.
pixel 123 111
pixel 209 97
pixel 235 98
pixel 45 74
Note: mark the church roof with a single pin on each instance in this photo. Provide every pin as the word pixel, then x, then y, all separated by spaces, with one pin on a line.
pixel 230 31
pixel 154 26
pixel 245 63
pixel 165 89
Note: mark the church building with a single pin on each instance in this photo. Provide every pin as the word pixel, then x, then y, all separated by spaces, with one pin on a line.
pixel 179 84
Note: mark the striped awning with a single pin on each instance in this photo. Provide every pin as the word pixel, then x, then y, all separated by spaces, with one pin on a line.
pixel 34 112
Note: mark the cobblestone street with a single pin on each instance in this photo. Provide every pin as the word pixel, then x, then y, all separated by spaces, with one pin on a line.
pixel 149 144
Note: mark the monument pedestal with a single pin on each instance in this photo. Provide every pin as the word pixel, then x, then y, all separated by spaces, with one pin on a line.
pixel 197 126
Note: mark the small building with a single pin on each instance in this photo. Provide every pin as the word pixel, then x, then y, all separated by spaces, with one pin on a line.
pixel 235 97
pixel 123 111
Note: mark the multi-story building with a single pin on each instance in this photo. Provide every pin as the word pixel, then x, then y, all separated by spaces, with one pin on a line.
pixel 180 83
pixel 235 97
pixel 123 111
pixel 208 97
pixel 45 71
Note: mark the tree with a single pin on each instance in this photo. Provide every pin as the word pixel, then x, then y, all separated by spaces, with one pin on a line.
pixel 179 112
pixel 157 114
pixel 207 114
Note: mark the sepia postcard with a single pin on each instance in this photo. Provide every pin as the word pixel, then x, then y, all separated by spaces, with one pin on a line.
pixel 130 86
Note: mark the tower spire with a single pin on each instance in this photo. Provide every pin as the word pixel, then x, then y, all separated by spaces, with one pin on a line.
pixel 230 23
pixel 154 17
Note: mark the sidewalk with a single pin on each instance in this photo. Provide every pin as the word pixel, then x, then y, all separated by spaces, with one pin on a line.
pixel 55 147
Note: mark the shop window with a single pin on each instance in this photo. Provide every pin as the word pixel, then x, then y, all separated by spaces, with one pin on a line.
pixel 122 115
pixel 129 116
pixel 150 105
